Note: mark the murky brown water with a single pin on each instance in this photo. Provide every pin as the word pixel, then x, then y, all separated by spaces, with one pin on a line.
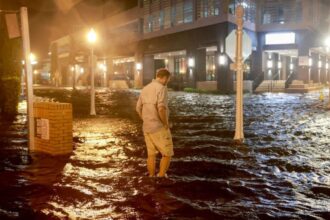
pixel 281 172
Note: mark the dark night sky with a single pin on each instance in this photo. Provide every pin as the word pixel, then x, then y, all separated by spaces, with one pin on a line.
pixel 51 19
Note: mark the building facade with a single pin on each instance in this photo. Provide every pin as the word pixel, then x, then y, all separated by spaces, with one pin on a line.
pixel 189 38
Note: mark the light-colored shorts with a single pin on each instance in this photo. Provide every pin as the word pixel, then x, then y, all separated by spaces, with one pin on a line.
pixel 160 141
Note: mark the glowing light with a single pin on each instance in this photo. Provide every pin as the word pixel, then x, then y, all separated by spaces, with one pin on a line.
pixel 310 61
pixel 327 41
pixel 33 59
pixel 279 65
pixel 82 70
pixel 269 64
pixel 91 36
pixel 191 62
pixel 245 5
pixel 291 66
pixel 222 59
pixel 103 67
pixel 320 64
pixel 138 66
pixel 327 65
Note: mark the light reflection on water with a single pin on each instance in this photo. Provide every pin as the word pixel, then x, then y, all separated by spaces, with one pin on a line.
pixel 281 171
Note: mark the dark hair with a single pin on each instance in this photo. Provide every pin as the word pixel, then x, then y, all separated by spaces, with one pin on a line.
pixel 161 73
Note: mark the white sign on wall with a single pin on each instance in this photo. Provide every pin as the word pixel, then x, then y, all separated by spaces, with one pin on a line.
pixel 303 61
pixel 42 128
pixel 280 38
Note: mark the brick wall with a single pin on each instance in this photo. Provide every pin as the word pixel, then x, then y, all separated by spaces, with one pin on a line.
pixel 59 139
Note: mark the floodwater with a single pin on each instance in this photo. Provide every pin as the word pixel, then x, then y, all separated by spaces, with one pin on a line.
pixel 282 171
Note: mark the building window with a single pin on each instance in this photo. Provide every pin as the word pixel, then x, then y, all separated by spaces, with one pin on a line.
pixel 161 19
pixel 277 11
pixel 178 12
pixel 167 17
pixel 155 21
pixel 180 67
pixel 188 11
pixel 173 16
pixel 208 8
pixel 163 14
pixel 250 9
pixel 210 67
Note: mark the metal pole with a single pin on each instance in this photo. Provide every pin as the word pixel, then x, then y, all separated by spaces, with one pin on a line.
pixel 28 74
pixel 23 81
pixel 328 76
pixel 239 134
pixel 74 76
pixel 92 83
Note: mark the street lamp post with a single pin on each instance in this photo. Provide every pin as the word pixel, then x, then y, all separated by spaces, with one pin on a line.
pixel 327 44
pixel 91 37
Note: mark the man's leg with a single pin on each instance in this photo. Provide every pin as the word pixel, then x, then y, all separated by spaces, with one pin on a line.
pixel 152 152
pixel 151 164
pixel 164 165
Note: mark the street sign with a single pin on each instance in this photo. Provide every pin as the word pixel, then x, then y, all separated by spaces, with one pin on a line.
pixel 231 45
pixel 12 26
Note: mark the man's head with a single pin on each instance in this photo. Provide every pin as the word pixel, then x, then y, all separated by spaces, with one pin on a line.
pixel 163 76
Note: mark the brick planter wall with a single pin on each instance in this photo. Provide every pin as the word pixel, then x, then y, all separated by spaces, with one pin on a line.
pixel 53 128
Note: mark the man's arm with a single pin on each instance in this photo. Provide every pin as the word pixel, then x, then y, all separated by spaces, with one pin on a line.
pixel 139 107
pixel 163 116
pixel 162 107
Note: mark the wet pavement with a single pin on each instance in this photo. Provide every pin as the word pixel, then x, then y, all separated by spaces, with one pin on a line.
pixel 282 171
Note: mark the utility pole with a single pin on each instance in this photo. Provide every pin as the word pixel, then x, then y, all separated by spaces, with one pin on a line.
pixel 28 74
pixel 239 133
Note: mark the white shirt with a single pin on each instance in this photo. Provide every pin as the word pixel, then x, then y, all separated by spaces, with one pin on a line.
pixel 152 97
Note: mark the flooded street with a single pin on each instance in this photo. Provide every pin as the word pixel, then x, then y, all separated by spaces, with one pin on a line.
pixel 282 171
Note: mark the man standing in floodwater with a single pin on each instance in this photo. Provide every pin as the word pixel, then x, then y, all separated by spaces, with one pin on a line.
pixel 152 107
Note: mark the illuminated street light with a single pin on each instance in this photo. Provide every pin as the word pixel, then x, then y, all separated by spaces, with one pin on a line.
pixel 138 66
pixel 33 59
pixel 91 38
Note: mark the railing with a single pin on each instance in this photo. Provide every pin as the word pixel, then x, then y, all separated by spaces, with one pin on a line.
pixel 289 80
pixel 257 81
pixel 273 82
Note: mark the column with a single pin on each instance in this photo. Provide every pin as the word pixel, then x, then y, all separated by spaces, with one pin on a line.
pixel 110 70
pixel 138 73
pixel 323 70
pixel 148 69
pixel 303 70
pixel 314 70
pixel 200 64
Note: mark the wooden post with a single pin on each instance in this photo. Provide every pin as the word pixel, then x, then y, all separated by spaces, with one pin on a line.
pixel 239 133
